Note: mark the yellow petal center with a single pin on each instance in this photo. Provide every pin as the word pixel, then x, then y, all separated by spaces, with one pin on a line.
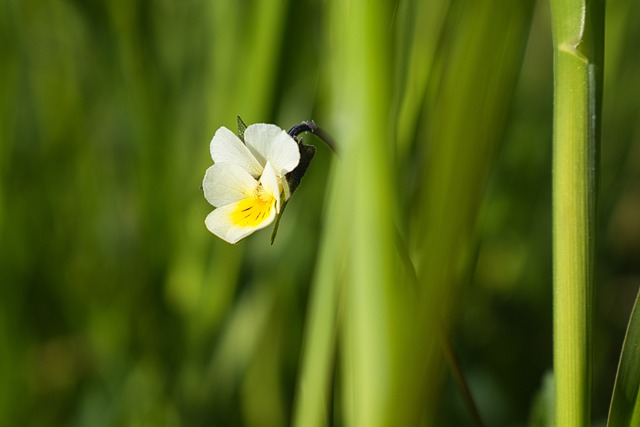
pixel 254 209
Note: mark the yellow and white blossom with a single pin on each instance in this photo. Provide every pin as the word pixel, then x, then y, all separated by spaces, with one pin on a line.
pixel 247 183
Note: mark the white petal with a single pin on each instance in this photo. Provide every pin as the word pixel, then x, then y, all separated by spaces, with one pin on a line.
pixel 227 147
pixel 269 182
pixel 226 183
pixel 219 223
pixel 271 144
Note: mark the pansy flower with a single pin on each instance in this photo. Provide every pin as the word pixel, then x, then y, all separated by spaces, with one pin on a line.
pixel 247 183
pixel 254 174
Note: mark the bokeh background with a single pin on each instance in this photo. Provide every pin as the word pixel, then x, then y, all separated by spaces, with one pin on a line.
pixel 118 308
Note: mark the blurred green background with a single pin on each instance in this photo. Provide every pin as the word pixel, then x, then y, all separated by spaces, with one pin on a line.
pixel 118 308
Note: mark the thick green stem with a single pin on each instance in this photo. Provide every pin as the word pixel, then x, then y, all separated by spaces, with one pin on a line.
pixel 572 217
pixel 576 101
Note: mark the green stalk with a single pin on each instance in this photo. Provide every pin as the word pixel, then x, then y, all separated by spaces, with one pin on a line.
pixel 313 394
pixel 577 48
pixel 462 122
pixel 355 269
pixel 360 34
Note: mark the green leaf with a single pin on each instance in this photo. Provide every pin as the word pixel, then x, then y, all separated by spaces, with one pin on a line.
pixel 542 410
pixel 241 128
pixel 625 391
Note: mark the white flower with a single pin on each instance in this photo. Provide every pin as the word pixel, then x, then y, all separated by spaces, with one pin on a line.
pixel 247 183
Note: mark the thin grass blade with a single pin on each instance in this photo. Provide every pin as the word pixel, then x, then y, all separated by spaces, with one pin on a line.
pixel 627 386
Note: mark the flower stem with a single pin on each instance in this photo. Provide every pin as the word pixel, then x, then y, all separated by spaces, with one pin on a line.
pixel 312 127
